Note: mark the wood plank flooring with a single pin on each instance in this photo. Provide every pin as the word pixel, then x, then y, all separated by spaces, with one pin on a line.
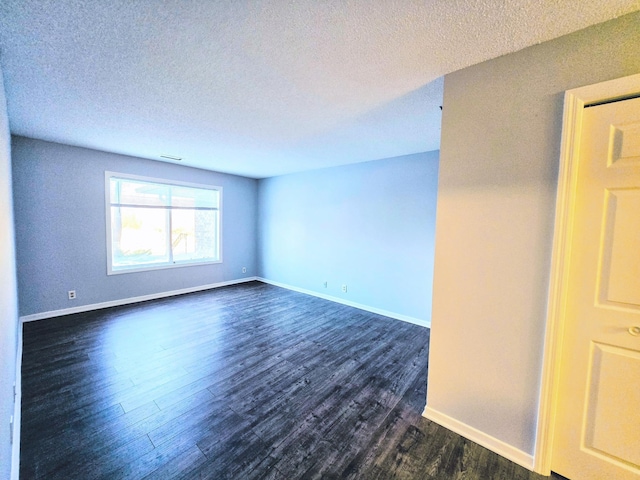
pixel 243 382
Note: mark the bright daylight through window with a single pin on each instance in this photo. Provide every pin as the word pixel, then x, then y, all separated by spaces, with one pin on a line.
pixel 154 223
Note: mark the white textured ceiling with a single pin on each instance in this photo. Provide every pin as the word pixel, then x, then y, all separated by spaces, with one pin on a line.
pixel 258 88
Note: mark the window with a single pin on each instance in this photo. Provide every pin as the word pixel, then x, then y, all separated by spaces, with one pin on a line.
pixel 154 223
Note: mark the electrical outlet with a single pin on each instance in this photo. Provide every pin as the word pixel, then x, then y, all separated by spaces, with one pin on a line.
pixel 244 269
pixel 325 284
pixel 344 289
pixel 72 294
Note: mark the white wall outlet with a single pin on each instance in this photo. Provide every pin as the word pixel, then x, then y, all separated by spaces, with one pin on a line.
pixel 325 284
pixel 72 294
pixel 344 289
pixel 244 269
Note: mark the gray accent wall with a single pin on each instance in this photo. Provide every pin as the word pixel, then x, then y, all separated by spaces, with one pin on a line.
pixel 61 233
pixel 8 292
pixel 501 131
pixel 369 226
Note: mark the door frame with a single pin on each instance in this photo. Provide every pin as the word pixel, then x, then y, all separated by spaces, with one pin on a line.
pixel 574 102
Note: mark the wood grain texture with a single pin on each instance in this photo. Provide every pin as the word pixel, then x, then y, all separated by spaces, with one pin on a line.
pixel 243 382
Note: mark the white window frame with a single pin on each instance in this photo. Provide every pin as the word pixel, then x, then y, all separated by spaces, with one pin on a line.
pixel 175 264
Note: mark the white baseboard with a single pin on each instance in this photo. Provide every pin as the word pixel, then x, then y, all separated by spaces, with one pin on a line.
pixel 17 411
pixel 386 313
pixel 127 301
pixel 498 446
pixel 154 296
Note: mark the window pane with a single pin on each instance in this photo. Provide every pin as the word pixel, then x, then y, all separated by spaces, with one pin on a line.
pixel 193 197
pixel 138 192
pixel 134 192
pixel 139 236
pixel 194 235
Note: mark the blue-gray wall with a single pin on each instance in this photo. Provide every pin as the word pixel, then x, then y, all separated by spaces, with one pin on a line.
pixel 8 295
pixel 367 225
pixel 61 234
pixel 501 133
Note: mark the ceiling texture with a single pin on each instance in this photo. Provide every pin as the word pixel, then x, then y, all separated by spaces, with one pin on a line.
pixel 258 87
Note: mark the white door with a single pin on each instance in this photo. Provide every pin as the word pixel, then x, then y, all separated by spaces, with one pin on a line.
pixel 597 430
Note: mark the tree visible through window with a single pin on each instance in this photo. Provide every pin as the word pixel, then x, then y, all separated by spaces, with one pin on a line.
pixel 155 223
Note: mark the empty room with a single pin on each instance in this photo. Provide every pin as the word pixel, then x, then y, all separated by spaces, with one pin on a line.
pixel 291 240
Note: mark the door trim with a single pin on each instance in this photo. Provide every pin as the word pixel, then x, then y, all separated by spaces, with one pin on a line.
pixel 575 101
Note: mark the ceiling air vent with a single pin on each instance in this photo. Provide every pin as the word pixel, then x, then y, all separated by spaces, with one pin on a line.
pixel 171 157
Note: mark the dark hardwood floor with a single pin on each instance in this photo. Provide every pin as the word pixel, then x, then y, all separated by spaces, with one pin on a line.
pixel 243 382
